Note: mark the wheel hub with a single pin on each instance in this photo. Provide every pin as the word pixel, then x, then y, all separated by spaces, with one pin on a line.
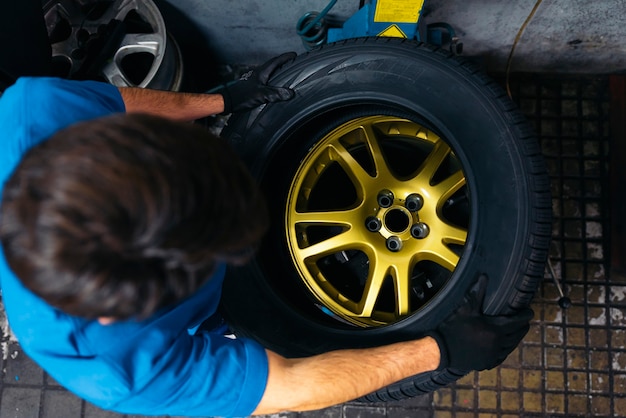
pixel 398 221
pixel 377 188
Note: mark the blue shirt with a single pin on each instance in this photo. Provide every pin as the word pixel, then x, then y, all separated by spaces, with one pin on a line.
pixel 158 366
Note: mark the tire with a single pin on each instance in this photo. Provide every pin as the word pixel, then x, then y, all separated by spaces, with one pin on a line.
pixel 429 113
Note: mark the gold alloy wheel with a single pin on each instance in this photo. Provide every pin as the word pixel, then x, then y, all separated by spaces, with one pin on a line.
pixel 378 192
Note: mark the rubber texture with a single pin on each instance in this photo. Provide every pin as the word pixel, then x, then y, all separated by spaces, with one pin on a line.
pixel 511 216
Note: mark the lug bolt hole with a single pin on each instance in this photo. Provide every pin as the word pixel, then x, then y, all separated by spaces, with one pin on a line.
pixel 373 224
pixel 420 230
pixel 385 198
pixel 394 244
pixel 414 202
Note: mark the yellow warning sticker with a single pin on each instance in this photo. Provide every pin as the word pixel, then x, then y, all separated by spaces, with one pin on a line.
pixel 400 11
pixel 393 31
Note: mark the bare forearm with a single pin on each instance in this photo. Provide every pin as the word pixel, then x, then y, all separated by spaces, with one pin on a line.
pixel 172 105
pixel 339 376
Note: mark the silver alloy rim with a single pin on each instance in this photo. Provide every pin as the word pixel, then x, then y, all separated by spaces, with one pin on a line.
pixel 163 51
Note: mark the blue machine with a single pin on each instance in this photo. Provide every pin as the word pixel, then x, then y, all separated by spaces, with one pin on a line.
pixel 392 18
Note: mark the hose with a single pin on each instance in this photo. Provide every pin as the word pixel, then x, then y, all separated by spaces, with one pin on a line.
pixel 312 27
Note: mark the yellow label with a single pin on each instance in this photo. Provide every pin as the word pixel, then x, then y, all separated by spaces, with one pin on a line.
pixel 400 11
pixel 393 31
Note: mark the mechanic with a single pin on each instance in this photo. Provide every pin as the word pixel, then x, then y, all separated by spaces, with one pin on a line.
pixel 117 222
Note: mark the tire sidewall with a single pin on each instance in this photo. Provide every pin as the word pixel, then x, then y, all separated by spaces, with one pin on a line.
pixel 456 106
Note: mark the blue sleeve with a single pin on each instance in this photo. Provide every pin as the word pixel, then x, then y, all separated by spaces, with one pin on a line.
pixel 203 375
pixel 150 367
pixel 34 108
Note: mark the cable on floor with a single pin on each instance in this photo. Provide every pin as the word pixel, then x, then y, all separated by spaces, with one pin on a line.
pixel 515 42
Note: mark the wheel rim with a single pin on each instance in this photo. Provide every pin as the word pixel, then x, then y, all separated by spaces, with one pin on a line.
pixel 376 219
pixel 78 34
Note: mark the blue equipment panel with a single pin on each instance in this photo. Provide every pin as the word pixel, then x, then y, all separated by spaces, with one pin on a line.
pixel 395 18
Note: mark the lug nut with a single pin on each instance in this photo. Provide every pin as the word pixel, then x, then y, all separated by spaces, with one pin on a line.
pixel 414 202
pixel 420 230
pixel 394 243
pixel 373 224
pixel 385 198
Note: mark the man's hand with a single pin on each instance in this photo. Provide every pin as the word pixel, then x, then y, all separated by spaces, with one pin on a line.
pixel 470 340
pixel 251 90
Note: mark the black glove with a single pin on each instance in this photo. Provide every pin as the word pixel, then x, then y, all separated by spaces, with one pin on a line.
pixel 251 90
pixel 470 340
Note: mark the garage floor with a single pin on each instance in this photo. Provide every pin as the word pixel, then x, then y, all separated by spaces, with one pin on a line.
pixel 571 364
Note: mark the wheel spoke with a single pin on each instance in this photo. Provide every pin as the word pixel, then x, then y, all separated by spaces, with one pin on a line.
pixel 380 164
pixel 434 160
pixel 133 43
pixel 380 269
pixel 454 235
pixel 122 8
pixel 339 217
pixel 54 16
pixel 375 151
pixel 351 166
pixel 149 12
pixel 441 254
pixel 401 280
pixel 343 241
pixel 375 279
pixel 114 75
pixel 58 12
pixel 446 188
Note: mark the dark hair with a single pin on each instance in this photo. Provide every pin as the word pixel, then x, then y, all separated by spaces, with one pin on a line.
pixel 124 215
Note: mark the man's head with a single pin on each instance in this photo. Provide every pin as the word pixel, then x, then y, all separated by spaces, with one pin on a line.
pixel 121 216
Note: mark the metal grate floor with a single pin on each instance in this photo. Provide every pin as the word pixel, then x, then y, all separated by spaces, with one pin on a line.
pixel 573 361
pixel 571 364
